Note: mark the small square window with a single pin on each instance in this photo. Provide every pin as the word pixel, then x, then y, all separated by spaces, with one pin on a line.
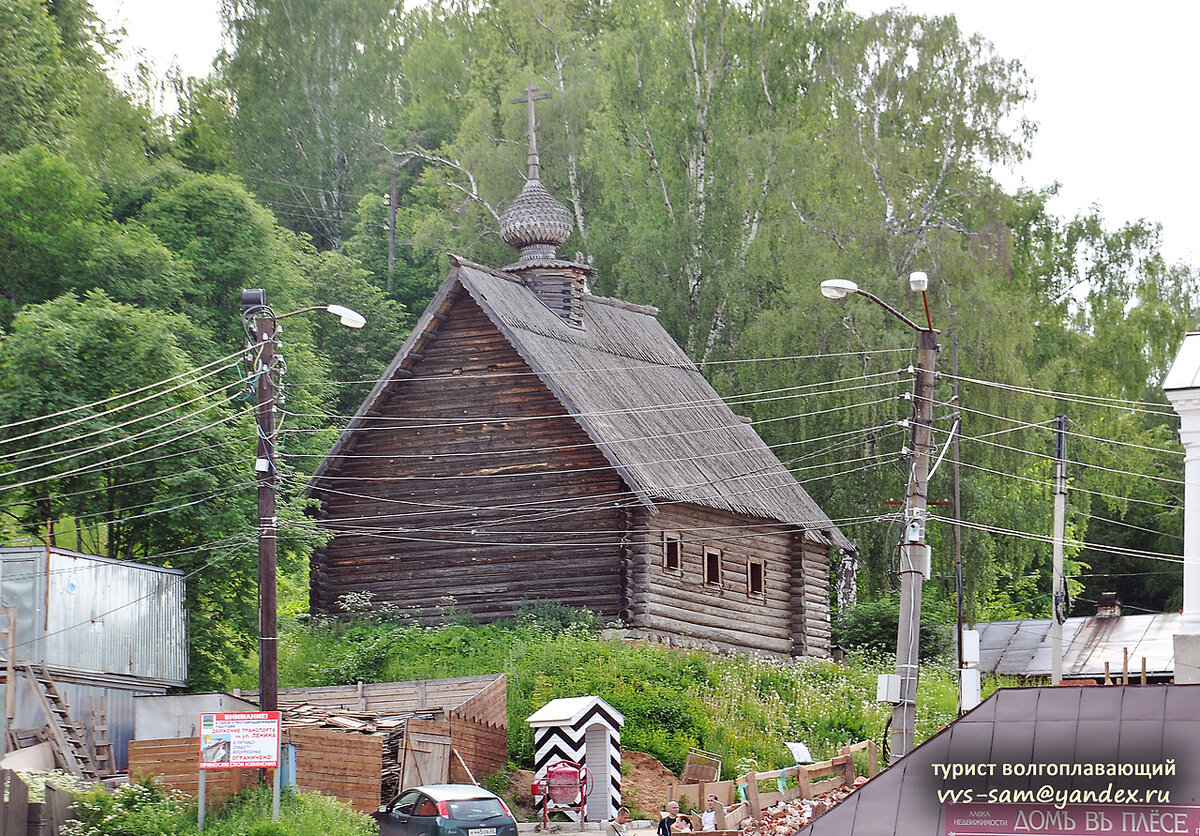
pixel 712 567
pixel 671 552
pixel 754 577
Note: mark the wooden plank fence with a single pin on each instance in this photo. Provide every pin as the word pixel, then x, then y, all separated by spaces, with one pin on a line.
pixel 811 780
pixel 20 817
pixel 347 766
pixel 797 781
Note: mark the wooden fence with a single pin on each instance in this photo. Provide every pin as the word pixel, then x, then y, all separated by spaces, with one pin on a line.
pixel 20 817
pixel 347 766
pixel 790 783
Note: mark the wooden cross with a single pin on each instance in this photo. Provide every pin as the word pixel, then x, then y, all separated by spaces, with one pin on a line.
pixel 530 97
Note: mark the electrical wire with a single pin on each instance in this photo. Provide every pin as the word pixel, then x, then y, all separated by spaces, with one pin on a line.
pixel 382 422
pixel 1046 538
pixel 1073 397
pixel 18 454
pixel 93 404
pixel 88 468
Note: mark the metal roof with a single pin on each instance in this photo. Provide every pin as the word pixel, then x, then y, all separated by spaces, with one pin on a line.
pixel 639 398
pixel 1023 648
pixel 567 711
pixel 1185 371
pixel 1132 724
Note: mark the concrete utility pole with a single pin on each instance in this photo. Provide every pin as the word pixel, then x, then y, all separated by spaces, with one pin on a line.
pixel 1059 596
pixel 914 552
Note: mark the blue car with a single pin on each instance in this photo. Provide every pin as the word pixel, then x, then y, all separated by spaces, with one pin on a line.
pixel 446 810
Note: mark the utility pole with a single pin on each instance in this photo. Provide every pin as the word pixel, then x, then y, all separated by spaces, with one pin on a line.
pixel 958 566
pixel 254 304
pixel 914 552
pixel 261 325
pixel 393 202
pixel 1060 524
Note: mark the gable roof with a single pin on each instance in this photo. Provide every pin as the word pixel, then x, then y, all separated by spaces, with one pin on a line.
pixel 636 394
pixel 1118 724
pixel 568 711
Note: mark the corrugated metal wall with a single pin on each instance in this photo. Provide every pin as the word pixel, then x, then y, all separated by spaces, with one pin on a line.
pixel 117 702
pixel 93 618
pixel 115 617
pixel 93 614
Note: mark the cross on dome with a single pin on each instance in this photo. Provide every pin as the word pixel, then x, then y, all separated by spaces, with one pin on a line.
pixel 531 97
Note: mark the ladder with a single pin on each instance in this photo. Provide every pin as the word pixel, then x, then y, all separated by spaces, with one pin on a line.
pixel 69 740
pixel 101 747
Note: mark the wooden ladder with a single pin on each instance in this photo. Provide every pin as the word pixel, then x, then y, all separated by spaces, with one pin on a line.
pixel 69 740
pixel 101 747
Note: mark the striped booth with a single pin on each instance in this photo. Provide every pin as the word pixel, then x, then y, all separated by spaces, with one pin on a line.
pixel 584 730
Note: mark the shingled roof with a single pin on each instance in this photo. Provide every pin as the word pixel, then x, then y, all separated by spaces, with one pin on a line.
pixel 635 393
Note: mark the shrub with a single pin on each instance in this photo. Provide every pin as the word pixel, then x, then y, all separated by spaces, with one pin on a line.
pixel 872 626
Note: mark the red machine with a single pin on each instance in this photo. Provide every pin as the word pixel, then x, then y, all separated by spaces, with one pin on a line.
pixel 565 787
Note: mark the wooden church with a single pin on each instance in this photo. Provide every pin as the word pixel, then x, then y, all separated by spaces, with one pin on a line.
pixel 532 442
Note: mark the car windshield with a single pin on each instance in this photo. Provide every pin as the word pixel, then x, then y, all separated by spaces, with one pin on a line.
pixel 475 809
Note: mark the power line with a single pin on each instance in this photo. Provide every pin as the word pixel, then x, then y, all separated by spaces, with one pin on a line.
pixel 130 393
pixel 1045 538
pixel 1072 397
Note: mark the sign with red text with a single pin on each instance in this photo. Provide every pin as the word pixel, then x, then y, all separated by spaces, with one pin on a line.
pixel 239 740
pixel 1070 820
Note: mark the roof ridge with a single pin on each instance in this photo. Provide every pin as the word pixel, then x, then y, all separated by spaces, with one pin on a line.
pixel 621 304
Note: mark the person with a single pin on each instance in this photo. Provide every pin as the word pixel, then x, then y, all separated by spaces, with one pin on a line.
pixel 616 827
pixel 669 818
pixel 708 819
pixel 682 825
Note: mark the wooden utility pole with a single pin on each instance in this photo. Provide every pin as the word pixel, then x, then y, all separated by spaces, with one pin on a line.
pixel 254 305
pixel 393 200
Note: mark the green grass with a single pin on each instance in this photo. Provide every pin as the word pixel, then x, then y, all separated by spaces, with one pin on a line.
pixel 147 809
pixel 742 708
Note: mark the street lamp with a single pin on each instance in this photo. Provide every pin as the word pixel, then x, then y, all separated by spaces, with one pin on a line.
pixel 914 552
pixel 261 324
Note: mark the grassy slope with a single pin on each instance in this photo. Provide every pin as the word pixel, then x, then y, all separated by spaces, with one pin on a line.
pixel 741 708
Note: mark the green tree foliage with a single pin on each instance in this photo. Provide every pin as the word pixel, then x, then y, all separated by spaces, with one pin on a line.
pixel 34 81
pixel 50 216
pixel 312 82
pixel 154 476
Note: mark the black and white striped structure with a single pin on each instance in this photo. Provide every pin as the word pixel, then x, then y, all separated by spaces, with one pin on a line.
pixel 584 730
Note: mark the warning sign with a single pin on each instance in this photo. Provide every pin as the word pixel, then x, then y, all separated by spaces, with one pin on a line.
pixel 239 740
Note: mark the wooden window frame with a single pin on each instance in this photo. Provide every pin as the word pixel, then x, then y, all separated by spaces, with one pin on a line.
pixel 762 577
pixel 710 552
pixel 669 537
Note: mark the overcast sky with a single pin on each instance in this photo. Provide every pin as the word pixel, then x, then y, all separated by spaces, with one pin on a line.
pixel 1115 85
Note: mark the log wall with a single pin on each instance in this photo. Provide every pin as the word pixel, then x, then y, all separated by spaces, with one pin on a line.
pixel 812 619
pixel 473 482
pixel 784 619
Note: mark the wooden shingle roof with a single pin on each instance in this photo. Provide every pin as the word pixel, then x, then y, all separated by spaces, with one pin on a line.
pixel 639 398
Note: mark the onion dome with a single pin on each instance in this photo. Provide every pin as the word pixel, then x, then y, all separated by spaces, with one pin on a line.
pixel 535 224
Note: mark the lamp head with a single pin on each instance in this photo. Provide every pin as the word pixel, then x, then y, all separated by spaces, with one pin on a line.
pixel 918 281
pixel 349 318
pixel 838 288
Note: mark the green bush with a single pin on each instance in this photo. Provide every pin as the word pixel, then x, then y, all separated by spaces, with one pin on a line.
pixel 872 626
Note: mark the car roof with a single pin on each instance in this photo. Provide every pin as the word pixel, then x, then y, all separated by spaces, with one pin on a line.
pixel 454 792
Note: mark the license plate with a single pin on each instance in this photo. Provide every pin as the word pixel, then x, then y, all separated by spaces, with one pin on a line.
pixel 482 831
